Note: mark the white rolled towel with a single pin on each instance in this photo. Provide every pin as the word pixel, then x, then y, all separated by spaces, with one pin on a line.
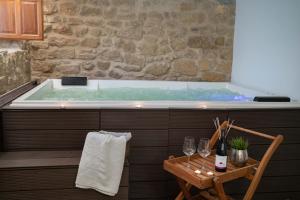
pixel 102 162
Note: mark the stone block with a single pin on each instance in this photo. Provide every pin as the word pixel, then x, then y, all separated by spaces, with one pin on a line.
pixel 69 8
pixel 90 42
pixel 61 53
pixel 103 65
pixel 116 74
pixel 185 67
pixel 157 69
pixel 86 54
pixel 90 11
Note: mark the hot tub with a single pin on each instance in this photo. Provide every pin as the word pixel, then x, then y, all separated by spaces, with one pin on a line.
pixel 143 94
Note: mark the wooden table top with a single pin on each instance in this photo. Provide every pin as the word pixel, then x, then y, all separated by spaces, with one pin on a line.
pixel 202 170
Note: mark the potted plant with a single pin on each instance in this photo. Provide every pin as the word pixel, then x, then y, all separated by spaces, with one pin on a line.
pixel 239 154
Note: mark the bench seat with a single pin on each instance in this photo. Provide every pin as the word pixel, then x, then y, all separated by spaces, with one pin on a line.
pixel 45 175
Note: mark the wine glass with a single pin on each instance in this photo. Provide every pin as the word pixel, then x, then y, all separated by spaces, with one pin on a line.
pixel 189 147
pixel 204 148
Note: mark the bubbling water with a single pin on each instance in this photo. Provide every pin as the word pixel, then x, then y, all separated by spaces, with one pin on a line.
pixel 139 94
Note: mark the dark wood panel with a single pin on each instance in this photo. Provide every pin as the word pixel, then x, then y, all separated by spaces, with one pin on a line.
pixel 266 118
pixel 267 184
pixel 147 173
pixel 148 155
pixel 283 186
pixel 65 194
pixel 43 139
pixel 277 196
pixel 39 179
pixel 134 119
pixel 31 159
pixel 177 135
pixel 148 190
pixel 283 168
pixel 195 118
pixel 291 135
pixel 50 120
pixel 144 138
pixel 284 152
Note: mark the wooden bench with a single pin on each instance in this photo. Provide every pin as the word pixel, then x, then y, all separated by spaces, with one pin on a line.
pixel 47 175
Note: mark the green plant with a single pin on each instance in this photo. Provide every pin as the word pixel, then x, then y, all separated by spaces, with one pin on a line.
pixel 239 143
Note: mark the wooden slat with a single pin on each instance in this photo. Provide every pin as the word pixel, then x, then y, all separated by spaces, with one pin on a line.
pixel 195 118
pixel 147 173
pixel 277 196
pixel 176 137
pixel 148 190
pixel 283 168
pixel 37 179
pixel 269 188
pixel 134 119
pixel 147 138
pixel 43 139
pixel 148 155
pixel 290 135
pixel 267 184
pixel 46 178
pixel 50 120
pixel 266 118
pixel 64 194
pixel 32 159
pixel 284 152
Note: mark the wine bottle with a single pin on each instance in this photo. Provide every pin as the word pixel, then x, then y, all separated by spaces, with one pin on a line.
pixel 221 155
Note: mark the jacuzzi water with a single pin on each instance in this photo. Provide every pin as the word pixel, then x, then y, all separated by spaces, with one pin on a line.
pixel 139 94
pixel 142 94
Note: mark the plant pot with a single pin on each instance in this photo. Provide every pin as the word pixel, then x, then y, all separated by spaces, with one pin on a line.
pixel 238 157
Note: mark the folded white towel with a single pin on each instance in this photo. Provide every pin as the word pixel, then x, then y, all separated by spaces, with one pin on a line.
pixel 102 162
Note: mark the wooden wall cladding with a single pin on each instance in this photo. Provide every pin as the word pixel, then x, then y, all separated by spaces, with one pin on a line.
pixel 43 178
pixel 30 175
pixel 63 194
pixel 51 120
pixel 266 118
pixel 148 155
pixel 156 135
pixel 148 138
pixel 134 119
pixel 19 140
pixel 176 136
pixel 195 118
pixel 148 190
pixel 273 196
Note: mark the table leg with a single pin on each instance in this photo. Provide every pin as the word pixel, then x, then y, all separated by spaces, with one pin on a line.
pixel 185 190
pixel 218 185
pixel 180 196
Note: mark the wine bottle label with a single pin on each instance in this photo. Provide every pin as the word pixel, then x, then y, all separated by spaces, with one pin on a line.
pixel 221 162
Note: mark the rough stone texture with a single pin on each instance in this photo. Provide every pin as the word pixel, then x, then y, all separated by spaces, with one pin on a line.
pixel 14 69
pixel 136 39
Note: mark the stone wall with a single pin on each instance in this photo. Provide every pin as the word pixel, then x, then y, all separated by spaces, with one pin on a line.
pixel 136 39
pixel 14 68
